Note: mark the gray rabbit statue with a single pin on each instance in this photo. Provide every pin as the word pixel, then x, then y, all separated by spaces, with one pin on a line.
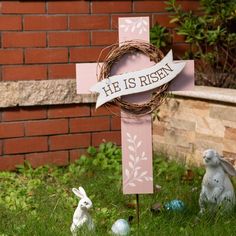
pixel 217 190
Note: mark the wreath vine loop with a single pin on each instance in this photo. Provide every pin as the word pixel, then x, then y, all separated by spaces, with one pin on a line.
pixel 115 54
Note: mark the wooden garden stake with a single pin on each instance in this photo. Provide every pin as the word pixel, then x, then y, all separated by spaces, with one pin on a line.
pixel 130 76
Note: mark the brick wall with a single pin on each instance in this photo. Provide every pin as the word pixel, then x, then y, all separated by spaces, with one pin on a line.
pixel 53 134
pixel 42 40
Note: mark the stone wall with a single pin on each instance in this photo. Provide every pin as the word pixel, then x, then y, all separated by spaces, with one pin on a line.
pixel 191 122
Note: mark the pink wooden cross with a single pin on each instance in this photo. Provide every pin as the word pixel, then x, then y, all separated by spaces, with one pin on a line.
pixel 136 132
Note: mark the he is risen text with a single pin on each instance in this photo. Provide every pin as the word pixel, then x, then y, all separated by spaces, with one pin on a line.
pixel 141 81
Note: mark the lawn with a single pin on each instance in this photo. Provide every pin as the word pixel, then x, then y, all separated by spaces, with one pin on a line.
pixel 40 201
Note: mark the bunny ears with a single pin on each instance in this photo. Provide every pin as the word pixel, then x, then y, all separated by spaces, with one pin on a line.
pixel 228 167
pixel 79 192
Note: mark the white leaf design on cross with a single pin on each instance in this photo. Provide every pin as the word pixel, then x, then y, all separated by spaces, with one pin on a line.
pixel 134 172
pixel 137 24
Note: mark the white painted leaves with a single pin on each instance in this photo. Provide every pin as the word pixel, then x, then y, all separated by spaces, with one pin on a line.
pixel 138 25
pixel 135 172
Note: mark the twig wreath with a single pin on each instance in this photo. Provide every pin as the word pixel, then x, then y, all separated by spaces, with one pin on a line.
pixel 129 47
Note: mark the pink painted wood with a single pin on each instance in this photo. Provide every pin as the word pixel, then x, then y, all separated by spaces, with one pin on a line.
pixel 136 131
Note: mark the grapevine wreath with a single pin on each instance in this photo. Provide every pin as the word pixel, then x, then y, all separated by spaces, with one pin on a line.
pixel 129 47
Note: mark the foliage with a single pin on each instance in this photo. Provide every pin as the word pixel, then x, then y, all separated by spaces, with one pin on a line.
pixel 210 32
pixel 160 37
pixel 106 157
pixel 40 201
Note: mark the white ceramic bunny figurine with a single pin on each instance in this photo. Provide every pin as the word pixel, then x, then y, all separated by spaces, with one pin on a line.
pixel 217 189
pixel 81 215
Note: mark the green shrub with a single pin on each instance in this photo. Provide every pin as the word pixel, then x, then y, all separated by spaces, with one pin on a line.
pixel 106 157
pixel 211 35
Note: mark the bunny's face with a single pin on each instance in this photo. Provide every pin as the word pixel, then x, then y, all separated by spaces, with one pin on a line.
pixel 85 203
pixel 211 158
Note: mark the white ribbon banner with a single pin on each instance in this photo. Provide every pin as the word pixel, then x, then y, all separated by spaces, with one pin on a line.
pixel 138 81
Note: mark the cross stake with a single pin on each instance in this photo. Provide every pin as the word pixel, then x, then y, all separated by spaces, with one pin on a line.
pixel 136 132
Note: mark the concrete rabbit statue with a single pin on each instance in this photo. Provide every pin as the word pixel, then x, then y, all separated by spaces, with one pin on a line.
pixel 217 190
pixel 81 215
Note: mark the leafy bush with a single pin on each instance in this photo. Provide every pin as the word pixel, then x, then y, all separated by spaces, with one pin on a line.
pixel 106 157
pixel 160 37
pixel 211 34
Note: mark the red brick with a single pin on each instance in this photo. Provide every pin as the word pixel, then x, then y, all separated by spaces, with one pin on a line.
pixel 105 110
pixel 22 72
pixel 115 19
pixel 90 54
pixel 1 147
pixel 25 145
pixel 189 5
pixel 68 7
pixel 163 20
pixel 180 49
pixel 46 55
pixel 9 130
pixel 111 6
pixel 178 38
pixel 11 56
pixel 62 71
pixel 104 37
pixel 12 7
pixel 76 154
pixel 68 111
pixel 46 127
pixel 89 22
pixel 45 23
pixel 89 124
pixel 68 39
pixel 149 6
pixel 59 158
pixel 27 113
pixel 11 162
pixel 13 39
pixel 113 136
pixel 115 123
pixel 101 111
pixel 10 23
pixel 61 142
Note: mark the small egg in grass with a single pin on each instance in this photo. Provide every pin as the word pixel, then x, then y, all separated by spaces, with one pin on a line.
pixel 174 205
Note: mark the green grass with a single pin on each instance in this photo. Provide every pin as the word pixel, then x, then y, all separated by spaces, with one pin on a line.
pixel 40 201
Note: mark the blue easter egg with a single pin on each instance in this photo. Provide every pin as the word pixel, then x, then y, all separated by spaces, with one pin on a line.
pixel 174 205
